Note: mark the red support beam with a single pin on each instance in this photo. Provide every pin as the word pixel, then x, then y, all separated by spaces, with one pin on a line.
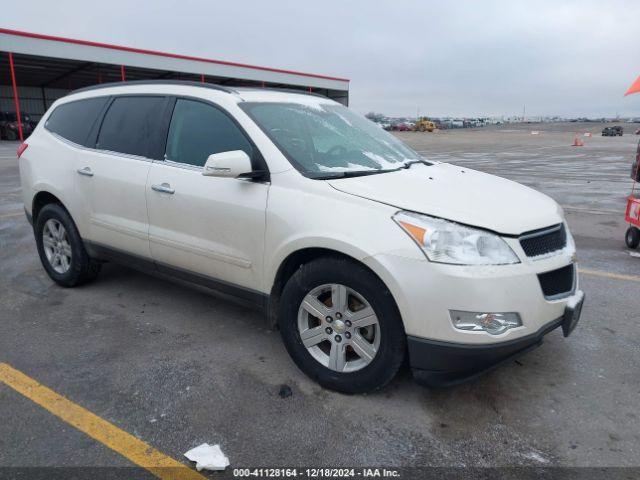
pixel 202 78
pixel 16 100
pixel 123 76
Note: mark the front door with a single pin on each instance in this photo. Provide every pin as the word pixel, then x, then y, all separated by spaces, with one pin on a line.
pixel 208 226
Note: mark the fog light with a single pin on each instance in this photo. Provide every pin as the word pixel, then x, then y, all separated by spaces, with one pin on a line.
pixel 492 323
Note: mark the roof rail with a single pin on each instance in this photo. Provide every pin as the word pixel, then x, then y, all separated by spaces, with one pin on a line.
pixel 192 83
pixel 284 90
pixel 189 83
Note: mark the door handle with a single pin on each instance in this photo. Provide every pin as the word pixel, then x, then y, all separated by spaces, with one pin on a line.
pixel 86 171
pixel 163 188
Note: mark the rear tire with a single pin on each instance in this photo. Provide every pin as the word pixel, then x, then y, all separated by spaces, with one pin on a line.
pixel 61 249
pixel 371 347
pixel 632 237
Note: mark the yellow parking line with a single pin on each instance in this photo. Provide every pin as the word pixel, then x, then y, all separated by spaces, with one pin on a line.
pixel 9 215
pixel 137 451
pixel 589 210
pixel 616 276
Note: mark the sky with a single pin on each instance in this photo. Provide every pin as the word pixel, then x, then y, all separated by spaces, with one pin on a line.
pixel 456 58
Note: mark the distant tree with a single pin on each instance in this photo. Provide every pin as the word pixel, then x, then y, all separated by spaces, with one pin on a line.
pixel 375 117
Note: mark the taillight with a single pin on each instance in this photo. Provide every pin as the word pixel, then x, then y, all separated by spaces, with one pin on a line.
pixel 21 148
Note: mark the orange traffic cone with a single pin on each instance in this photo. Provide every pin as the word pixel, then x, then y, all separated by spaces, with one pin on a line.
pixel 577 142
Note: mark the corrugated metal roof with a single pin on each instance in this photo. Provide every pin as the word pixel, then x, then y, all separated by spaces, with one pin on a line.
pixel 91 53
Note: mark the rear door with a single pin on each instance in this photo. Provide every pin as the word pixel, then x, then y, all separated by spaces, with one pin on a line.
pixel 208 226
pixel 111 178
pixel 70 125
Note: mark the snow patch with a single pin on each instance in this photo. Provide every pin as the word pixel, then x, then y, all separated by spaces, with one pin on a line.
pixel 573 300
pixel 536 456
pixel 348 167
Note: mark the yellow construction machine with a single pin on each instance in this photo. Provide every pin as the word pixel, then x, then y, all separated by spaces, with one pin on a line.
pixel 424 125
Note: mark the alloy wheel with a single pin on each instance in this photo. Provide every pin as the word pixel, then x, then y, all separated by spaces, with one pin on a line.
pixel 56 245
pixel 339 328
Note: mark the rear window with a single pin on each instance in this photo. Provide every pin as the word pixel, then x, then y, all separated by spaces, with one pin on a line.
pixel 74 120
pixel 132 125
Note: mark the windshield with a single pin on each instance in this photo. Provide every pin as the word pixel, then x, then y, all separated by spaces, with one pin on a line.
pixel 325 140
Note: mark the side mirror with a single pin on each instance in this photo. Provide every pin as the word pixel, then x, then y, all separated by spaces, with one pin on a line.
pixel 233 164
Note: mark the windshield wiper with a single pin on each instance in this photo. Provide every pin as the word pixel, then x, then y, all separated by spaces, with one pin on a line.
pixel 353 173
pixel 413 162
pixel 362 173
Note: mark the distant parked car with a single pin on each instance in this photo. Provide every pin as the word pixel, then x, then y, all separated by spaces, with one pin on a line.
pixel 402 127
pixel 9 125
pixel 612 131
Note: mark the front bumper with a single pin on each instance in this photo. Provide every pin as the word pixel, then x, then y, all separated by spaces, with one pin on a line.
pixel 441 364
pixel 427 292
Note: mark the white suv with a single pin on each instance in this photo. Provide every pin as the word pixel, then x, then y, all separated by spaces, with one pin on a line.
pixel 360 250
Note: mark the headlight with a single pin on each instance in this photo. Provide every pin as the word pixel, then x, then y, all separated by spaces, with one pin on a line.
pixel 447 242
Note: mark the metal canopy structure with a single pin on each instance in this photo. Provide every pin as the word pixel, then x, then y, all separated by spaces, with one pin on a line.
pixel 35 69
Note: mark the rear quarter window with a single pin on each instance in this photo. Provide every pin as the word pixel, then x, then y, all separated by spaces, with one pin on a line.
pixel 74 120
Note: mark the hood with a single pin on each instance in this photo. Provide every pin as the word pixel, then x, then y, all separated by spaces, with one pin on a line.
pixel 458 194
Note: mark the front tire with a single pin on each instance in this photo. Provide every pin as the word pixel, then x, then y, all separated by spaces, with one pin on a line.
pixel 61 249
pixel 341 326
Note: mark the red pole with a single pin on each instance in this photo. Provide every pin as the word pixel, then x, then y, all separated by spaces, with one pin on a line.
pixel 262 84
pixel 310 89
pixel 202 78
pixel 122 74
pixel 16 100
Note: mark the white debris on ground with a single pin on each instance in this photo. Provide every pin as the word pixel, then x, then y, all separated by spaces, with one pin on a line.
pixel 634 254
pixel 536 457
pixel 208 457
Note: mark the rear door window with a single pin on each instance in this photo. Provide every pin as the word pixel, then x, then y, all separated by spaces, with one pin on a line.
pixel 74 120
pixel 133 125
pixel 198 130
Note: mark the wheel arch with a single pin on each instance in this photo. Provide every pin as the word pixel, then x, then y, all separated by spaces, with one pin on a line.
pixel 42 198
pixel 299 257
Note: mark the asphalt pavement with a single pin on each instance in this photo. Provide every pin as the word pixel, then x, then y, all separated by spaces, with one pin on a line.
pixel 176 366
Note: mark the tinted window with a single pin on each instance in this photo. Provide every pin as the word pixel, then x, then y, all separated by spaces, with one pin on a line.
pixel 132 125
pixel 74 120
pixel 197 130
